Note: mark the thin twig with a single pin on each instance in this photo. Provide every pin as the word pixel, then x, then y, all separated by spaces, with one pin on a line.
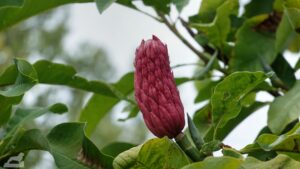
pixel 175 31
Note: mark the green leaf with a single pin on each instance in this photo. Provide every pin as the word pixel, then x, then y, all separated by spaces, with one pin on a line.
pixel 284 71
pixel 6 104
pixel 11 16
pixel 216 163
pixel 207 11
pixel 205 89
pixel 60 74
pixel 227 95
pixel 257 7
pixel 219 28
pixel 230 152
pixel 281 161
pixel 103 4
pixel 11 3
pixel 252 47
pixel 180 4
pixel 228 128
pixel 127 159
pixel 293 15
pixel 25 80
pixel 286 142
pixel 21 117
pixel 161 153
pixel 99 105
pixel 284 34
pixel 202 119
pixel 114 149
pixel 284 110
pixel 68 145
pixel 294 46
pixel 159 5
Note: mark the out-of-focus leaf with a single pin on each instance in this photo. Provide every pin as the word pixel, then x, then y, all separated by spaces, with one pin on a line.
pixel 203 120
pixel 257 7
pixel 205 89
pixel 219 28
pixel 103 4
pixel 161 153
pixel 284 110
pixel 68 145
pixel 284 71
pixel 252 47
pixel 180 4
pixel 99 105
pixel 11 16
pixel 284 34
pixel 293 155
pixel 115 149
pixel 294 45
pixel 11 3
pixel 281 161
pixel 293 15
pixel 216 163
pixel 132 110
pixel 160 5
pixel 227 95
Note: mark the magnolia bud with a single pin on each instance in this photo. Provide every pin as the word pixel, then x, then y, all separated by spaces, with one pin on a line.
pixel 155 89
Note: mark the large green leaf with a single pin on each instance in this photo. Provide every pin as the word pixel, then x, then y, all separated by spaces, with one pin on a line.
pixel 11 3
pixel 284 110
pixel 60 74
pixel 252 47
pixel 11 16
pixel 68 145
pixel 227 95
pixel 216 163
pixel 161 153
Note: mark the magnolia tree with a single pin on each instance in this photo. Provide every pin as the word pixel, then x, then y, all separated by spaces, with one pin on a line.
pixel 246 51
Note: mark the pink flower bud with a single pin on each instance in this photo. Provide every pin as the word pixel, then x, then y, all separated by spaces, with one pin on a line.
pixel 155 89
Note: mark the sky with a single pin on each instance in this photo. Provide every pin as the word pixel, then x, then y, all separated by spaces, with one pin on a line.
pixel 119 30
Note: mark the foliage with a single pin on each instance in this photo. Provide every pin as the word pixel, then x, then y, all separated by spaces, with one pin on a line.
pixel 245 49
